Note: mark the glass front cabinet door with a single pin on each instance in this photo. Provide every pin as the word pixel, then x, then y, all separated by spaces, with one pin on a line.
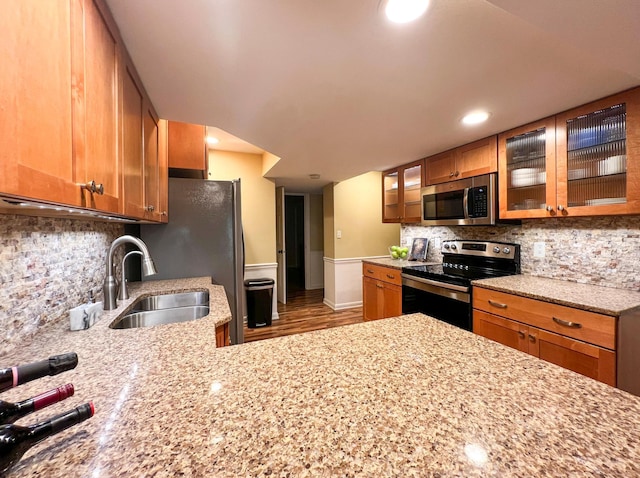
pixel 527 170
pixel 599 157
pixel 401 193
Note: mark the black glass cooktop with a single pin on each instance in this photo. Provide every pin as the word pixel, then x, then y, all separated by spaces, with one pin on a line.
pixel 456 273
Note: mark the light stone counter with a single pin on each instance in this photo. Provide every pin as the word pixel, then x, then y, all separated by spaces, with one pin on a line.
pixel 399 397
pixel 396 263
pixel 603 300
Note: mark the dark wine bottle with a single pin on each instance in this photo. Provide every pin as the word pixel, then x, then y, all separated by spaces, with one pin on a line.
pixel 10 412
pixel 14 376
pixel 15 440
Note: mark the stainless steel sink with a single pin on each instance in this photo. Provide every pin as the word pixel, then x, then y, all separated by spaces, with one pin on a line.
pixel 171 301
pixel 164 309
pixel 159 317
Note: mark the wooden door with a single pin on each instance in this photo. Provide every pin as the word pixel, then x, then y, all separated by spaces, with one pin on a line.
pixel 391 300
pixel 504 331
pixel 391 196
pixel 441 167
pixel 370 302
pixel 411 182
pixel 36 101
pixel 151 165
pixel 163 172
pixel 527 180
pixel 479 157
pixel 132 145
pixel 187 146
pixel 583 358
pixel 95 73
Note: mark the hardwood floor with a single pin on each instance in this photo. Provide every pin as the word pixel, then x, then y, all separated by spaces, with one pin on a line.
pixel 304 312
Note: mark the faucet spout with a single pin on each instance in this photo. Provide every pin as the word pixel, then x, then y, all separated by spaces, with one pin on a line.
pixel 109 287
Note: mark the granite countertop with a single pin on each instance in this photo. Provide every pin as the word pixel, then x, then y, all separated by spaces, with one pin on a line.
pixel 406 396
pixel 396 263
pixel 603 300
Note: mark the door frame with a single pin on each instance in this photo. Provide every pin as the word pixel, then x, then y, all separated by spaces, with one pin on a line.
pixel 281 257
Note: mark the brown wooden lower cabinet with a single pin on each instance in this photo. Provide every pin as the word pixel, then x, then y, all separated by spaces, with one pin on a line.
pixel 222 335
pixel 381 292
pixel 587 359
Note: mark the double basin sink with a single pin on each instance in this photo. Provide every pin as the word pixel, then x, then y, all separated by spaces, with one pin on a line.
pixel 164 309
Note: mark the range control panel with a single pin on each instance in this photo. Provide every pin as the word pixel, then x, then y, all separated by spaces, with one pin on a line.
pixel 501 250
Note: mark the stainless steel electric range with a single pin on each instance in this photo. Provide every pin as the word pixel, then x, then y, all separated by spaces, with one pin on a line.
pixel 443 290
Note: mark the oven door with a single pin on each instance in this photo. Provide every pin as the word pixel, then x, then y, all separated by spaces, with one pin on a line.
pixel 450 303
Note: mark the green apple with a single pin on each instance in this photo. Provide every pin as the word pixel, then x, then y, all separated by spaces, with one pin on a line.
pixel 394 248
pixel 403 255
pixel 394 254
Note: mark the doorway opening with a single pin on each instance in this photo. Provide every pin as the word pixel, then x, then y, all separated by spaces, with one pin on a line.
pixel 294 243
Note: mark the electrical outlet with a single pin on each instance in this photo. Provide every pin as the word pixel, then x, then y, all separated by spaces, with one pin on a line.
pixel 538 249
pixel 436 242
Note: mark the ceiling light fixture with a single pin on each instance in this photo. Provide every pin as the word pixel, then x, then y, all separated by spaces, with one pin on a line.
pixel 475 117
pixel 211 140
pixel 403 11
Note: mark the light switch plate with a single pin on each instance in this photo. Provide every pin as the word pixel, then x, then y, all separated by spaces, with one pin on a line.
pixel 339 234
pixel 538 249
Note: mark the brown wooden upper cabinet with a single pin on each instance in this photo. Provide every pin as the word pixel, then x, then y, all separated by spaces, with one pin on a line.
pixel 401 193
pixel 187 146
pixel 473 159
pixel 36 157
pixel 76 135
pixel 583 162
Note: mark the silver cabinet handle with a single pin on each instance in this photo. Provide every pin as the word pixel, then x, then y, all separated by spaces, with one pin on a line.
pixel 163 213
pixel 521 334
pixel 497 304
pixel 369 271
pixel 391 276
pixel 532 338
pixel 379 286
pixel 566 323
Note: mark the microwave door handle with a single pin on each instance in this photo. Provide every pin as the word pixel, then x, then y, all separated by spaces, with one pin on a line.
pixel 465 203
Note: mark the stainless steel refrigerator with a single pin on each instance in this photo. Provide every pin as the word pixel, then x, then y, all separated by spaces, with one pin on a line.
pixel 203 238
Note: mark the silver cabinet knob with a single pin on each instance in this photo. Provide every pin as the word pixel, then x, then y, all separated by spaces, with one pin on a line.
pixel 93 187
pixel 150 208
pixel 560 207
pixel 549 208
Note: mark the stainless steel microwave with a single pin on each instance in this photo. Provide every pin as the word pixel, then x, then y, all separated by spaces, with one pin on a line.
pixel 471 201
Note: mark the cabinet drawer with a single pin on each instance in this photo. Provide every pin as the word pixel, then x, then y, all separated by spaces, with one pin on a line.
pixel 589 327
pixel 385 274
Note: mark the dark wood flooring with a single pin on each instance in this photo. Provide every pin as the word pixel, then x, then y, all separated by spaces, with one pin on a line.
pixel 303 312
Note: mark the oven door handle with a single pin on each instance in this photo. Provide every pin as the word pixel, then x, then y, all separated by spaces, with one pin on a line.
pixel 444 285
pixel 465 203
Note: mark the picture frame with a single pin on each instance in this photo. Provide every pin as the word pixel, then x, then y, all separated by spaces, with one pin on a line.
pixel 419 249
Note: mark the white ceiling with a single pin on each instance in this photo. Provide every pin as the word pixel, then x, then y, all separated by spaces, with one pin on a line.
pixel 332 87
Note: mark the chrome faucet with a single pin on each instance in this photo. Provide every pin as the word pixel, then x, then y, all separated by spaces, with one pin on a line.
pixel 109 288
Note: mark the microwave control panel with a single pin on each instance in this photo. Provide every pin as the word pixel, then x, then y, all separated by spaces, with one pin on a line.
pixel 478 202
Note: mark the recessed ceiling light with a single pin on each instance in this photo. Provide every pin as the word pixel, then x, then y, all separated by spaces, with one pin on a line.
pixel 212 140
pixel 403 11
pixel 475 117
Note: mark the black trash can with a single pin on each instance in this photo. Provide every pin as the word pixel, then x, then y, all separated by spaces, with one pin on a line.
pixel 259 300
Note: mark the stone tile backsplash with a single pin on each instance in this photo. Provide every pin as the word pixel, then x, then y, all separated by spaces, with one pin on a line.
pixel 48 266
pixel 602 251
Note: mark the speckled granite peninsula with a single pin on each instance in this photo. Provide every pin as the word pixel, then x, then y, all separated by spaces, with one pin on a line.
pixel 407 396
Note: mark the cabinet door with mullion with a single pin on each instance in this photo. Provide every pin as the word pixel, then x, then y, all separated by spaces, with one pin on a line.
pixel 411 184
pixel 527 171
pixel 598 148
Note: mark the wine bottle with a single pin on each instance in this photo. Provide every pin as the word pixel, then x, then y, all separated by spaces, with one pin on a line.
pixel 15 440
pixel 10 412
pixel 14 376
